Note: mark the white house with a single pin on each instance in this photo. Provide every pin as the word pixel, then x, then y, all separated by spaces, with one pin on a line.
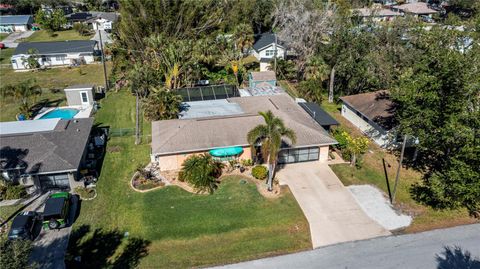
pixel 372 113
pixel 415 9
pixel 103 20
pixel 264 50
pixel 15 23
pixel 56 53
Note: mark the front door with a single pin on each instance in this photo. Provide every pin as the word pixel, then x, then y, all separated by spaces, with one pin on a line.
pixel 84 98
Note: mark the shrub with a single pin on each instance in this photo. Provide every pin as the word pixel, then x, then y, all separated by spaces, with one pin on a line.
pixel 201 171
pixel 260 172
pixel 246 162
pixel 10 192
pixel 342 138
pixel 14 253
pixel 85 193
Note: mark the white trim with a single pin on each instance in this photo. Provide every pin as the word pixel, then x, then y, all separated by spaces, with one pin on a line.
pixel 81 98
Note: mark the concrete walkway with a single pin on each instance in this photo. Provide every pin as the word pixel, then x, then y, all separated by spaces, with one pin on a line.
pixel 332 213
pixel 428 250
pixel 10 41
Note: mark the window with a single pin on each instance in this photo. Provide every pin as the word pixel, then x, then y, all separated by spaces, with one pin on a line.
pixel 84 97
pixel 59 58
pixel 270 53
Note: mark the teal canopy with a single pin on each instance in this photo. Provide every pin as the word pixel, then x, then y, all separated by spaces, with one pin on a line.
pixel 225 152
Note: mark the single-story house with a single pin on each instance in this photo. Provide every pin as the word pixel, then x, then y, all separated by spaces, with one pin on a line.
pixel 415 9
pixel 55 53
pixel 78 17
pixel 15 23
pixel 264 49
pixel 377 14
pixel 258 78
pixel 319 115
pixel 45 153
pixel 373 114
pixel 175 140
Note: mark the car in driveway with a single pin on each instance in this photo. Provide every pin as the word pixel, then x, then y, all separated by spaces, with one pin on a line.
pixel 57 211
pixel 23 226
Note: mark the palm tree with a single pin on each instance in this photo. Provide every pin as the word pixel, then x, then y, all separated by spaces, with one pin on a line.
pixel 269 136
pixel 202 172
pixel 26 92
pixel 162 104
pixel 243 36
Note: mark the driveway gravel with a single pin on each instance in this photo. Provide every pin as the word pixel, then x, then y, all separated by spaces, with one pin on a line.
pixel 377 207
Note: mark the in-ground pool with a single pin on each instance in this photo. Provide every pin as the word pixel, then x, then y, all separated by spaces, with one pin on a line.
pixel 62 113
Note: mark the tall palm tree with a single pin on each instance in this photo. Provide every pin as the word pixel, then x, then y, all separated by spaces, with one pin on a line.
pixel 26 92
pixel 162 104
pixel 269 136
pixel 243 36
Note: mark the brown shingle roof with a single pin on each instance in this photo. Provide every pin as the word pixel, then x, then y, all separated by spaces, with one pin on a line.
pixel 174 136
pixel 415 8
pixel 263 75
pixel 376 106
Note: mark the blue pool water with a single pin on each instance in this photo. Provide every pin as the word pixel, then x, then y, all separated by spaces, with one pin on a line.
pixel 62 113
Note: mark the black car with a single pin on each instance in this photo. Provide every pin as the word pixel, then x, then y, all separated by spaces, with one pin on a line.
pixel 23 226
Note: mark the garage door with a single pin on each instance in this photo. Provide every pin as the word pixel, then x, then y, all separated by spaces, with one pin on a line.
pixel 59 181
pixel 298 155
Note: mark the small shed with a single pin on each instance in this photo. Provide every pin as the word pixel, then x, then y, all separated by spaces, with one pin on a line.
pixel 256 78
pixel 80 95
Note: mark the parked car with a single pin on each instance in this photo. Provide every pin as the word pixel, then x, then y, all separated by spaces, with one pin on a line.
pixel 56 212
pixel 2 46
pixel 23 226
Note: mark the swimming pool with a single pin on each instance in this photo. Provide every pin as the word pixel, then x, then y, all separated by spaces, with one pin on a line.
pixel 62 113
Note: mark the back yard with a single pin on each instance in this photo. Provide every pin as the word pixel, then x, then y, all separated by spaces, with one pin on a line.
pixel 371 172
pixel 179 229
pixel 43 35
pixel 55 78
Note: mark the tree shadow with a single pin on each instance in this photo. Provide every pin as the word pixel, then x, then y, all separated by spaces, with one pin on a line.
pixel 104 249
pixel 45 103
pixel 456 258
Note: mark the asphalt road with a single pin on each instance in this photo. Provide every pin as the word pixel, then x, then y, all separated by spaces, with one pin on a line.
pixel 423 250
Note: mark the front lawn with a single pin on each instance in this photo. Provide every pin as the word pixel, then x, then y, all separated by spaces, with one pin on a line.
pixel 181 229
pixel 371 172
pixel 54 78
pixel 43 35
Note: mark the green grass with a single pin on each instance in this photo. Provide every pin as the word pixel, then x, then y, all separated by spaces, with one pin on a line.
pixel 43 35
pixel 186 230
pixel 57 78
pixel 371 172
pixel 3 36
pixel 5 55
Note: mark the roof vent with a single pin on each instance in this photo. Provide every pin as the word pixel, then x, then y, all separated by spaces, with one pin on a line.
pixel 78 130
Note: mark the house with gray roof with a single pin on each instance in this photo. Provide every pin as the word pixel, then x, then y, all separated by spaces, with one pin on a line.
pixel 56 53
pixel 264 49
pixel 175 140
pixel 44 153
pixel 15 23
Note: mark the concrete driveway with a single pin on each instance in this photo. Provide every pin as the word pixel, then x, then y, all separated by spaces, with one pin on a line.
pixel 10 41
pixel 332 213
pixel 49 247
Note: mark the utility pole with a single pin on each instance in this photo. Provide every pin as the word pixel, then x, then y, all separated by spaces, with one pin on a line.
pixel 103 57
pixel 386 179
pixel 275 55
pixel 399 166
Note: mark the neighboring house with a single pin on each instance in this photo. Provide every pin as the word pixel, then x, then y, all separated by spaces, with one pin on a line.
pixel 80 17
pixel 377 14
pixel 175 140
pixel 256 79
pixel 415 9
pixel 386 2
pixel 15 23
pixel 318 114
pixel 44 154
pixel 372 113
pixel 103 20
pixel 55 53
pixel 264 49
pixel 80 95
